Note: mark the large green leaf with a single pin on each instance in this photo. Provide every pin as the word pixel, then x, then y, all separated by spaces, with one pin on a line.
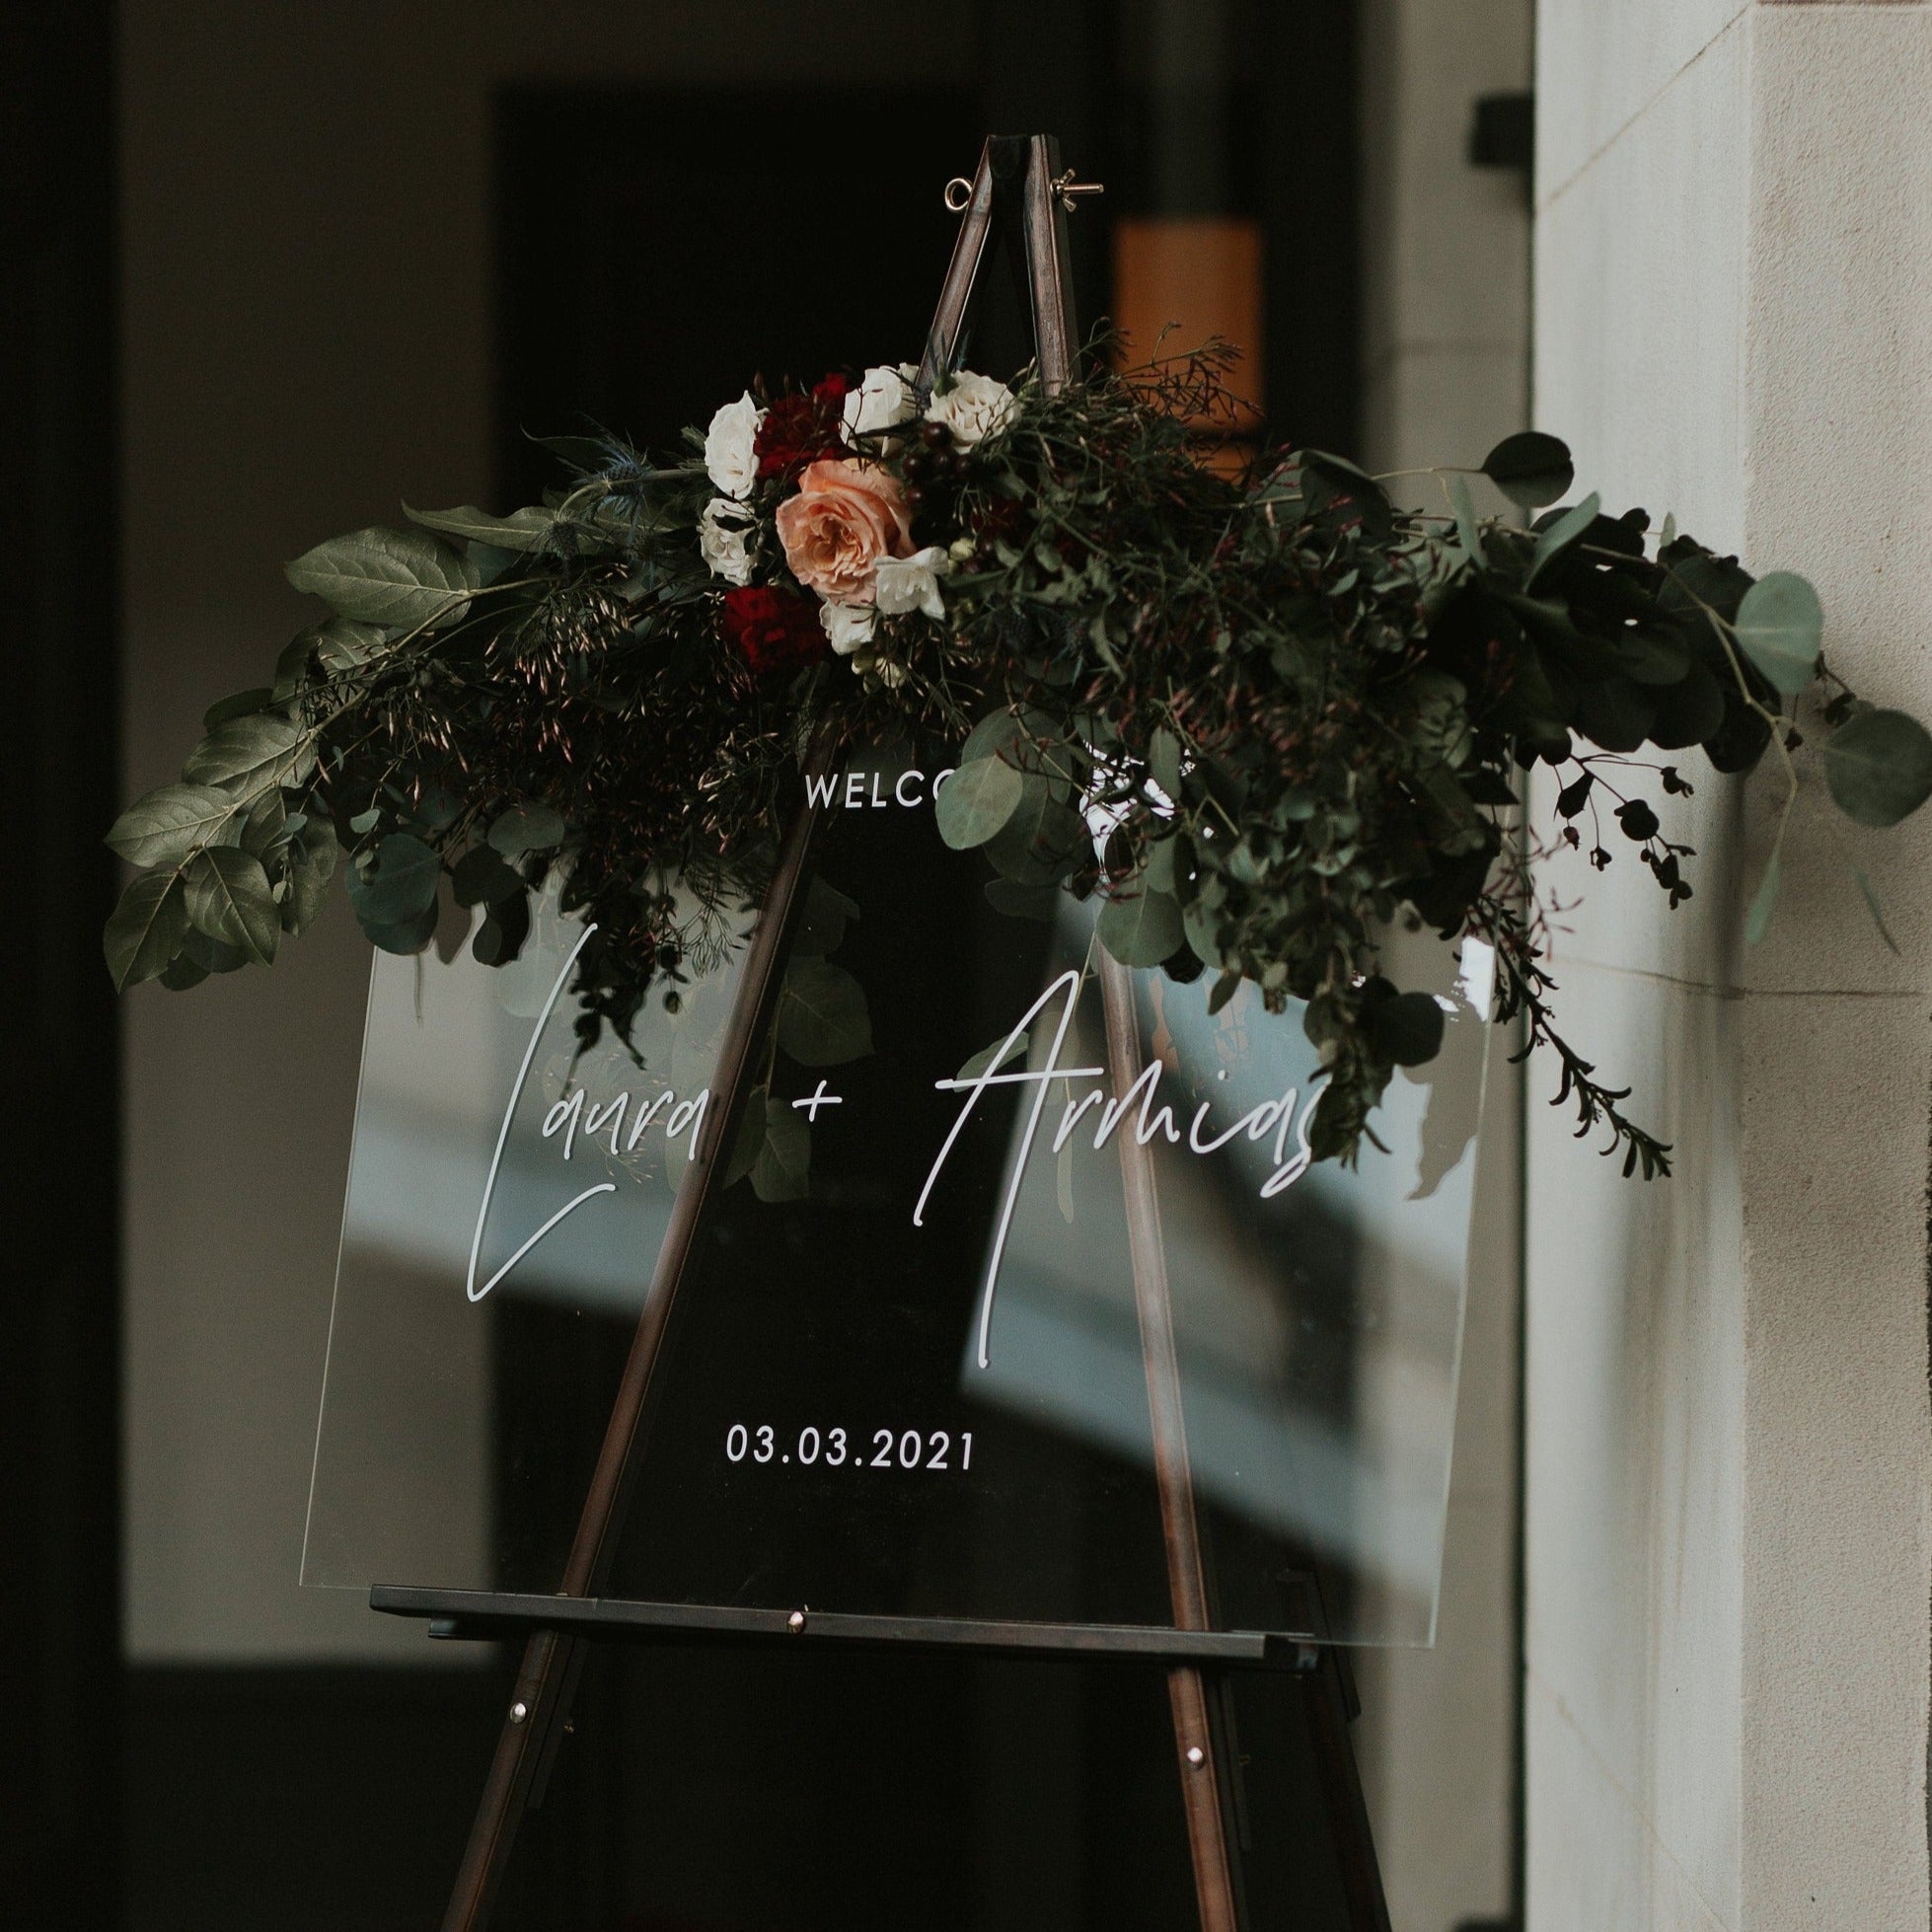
pixel 1553 542
pixel 1142 929
pixel 400 887
pixel 1879 766
pixel 1531 468
pixel 229 899
pixel 823 1019
pixel 404 936
pixel 391 577
pixel 1044 840
pixel 822 924
pixel 527 828
pixel 146 928
pixel 521 530
pixel 312 863
pixel 784 1166
pixel 484 877
pixel 1014 1047
pixel 1780 627
pixel 167 824
pixel 247 755
pixel 977 801
pixel 749 1140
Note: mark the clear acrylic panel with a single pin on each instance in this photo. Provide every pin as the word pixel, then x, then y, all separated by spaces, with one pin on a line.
pixel 922 1388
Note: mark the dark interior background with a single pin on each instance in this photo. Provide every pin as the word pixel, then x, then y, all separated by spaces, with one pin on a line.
pixel 652 248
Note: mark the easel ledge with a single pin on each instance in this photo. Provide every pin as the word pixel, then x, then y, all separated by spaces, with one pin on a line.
pixel 480 1616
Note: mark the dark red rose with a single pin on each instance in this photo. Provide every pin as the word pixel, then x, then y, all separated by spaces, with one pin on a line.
pixel 773 630
pixel 799 429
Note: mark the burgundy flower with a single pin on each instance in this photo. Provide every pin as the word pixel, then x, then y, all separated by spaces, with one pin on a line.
pixel 773 630
pixel 800 429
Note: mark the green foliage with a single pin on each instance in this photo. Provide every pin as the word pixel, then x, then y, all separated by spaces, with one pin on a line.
pixel 823 1019
pixel 399 577
pixel 1294 714
pixel 1879 766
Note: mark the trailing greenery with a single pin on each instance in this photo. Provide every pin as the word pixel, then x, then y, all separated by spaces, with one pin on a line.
pixel 1293 712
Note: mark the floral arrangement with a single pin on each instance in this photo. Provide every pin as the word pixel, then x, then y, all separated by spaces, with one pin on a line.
pixel 1258 717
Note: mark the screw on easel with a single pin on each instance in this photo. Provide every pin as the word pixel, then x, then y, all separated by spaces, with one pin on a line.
pixel 959 192
pixel 1196 1756
pixel 796 1621
pixel 1066 188
pixel 519 1711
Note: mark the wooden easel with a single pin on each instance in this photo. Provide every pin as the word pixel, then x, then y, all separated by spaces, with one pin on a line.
pixel 1020 198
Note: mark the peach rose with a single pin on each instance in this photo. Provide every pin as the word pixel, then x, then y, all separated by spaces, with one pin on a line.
pixel 846 516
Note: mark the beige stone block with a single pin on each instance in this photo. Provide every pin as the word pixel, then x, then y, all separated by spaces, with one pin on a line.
pixel 1837 1442
pixel 1641 278
pixel 1601 67
pixel 1635 1432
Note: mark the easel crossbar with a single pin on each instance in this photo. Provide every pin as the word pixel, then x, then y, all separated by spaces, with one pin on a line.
pixel 478 1614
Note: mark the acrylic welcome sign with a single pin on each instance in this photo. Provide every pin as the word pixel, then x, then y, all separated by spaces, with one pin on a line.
pixel 918 1385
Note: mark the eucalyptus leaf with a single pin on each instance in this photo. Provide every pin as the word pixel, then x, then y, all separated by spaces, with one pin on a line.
pixel 749 1140
pixel 1553 542
pixel 1018 901
pixel 1008 1048
pixel 1531 468
pixel 1142 928
pixel 1164 764
pixel 164 825
pixel 784 1167
pixel 822 924
pixel 484 877
pixel 976 804
pixel 1201 925
pixel 1879 766
pixel 500 936
pixel 823 1018
pixel 1043 841
pixel 403 936
pixel 389 577
pixel 229 899
pixel 1780 627
pixel 146 928
pixel 312 863
pixel 528 828
pixel 400 887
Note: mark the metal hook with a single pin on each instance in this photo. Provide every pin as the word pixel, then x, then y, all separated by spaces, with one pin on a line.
pixel 1066 188
pixel 964 190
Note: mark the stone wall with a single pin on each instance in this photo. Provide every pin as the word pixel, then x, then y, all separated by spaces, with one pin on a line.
pixel 1728 1420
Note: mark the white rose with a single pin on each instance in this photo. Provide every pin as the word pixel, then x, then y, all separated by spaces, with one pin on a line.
pixel 729 460
pixel 725 544
pixel 883 401
pixel 846 626
pixel 974 407
pixel 912 583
